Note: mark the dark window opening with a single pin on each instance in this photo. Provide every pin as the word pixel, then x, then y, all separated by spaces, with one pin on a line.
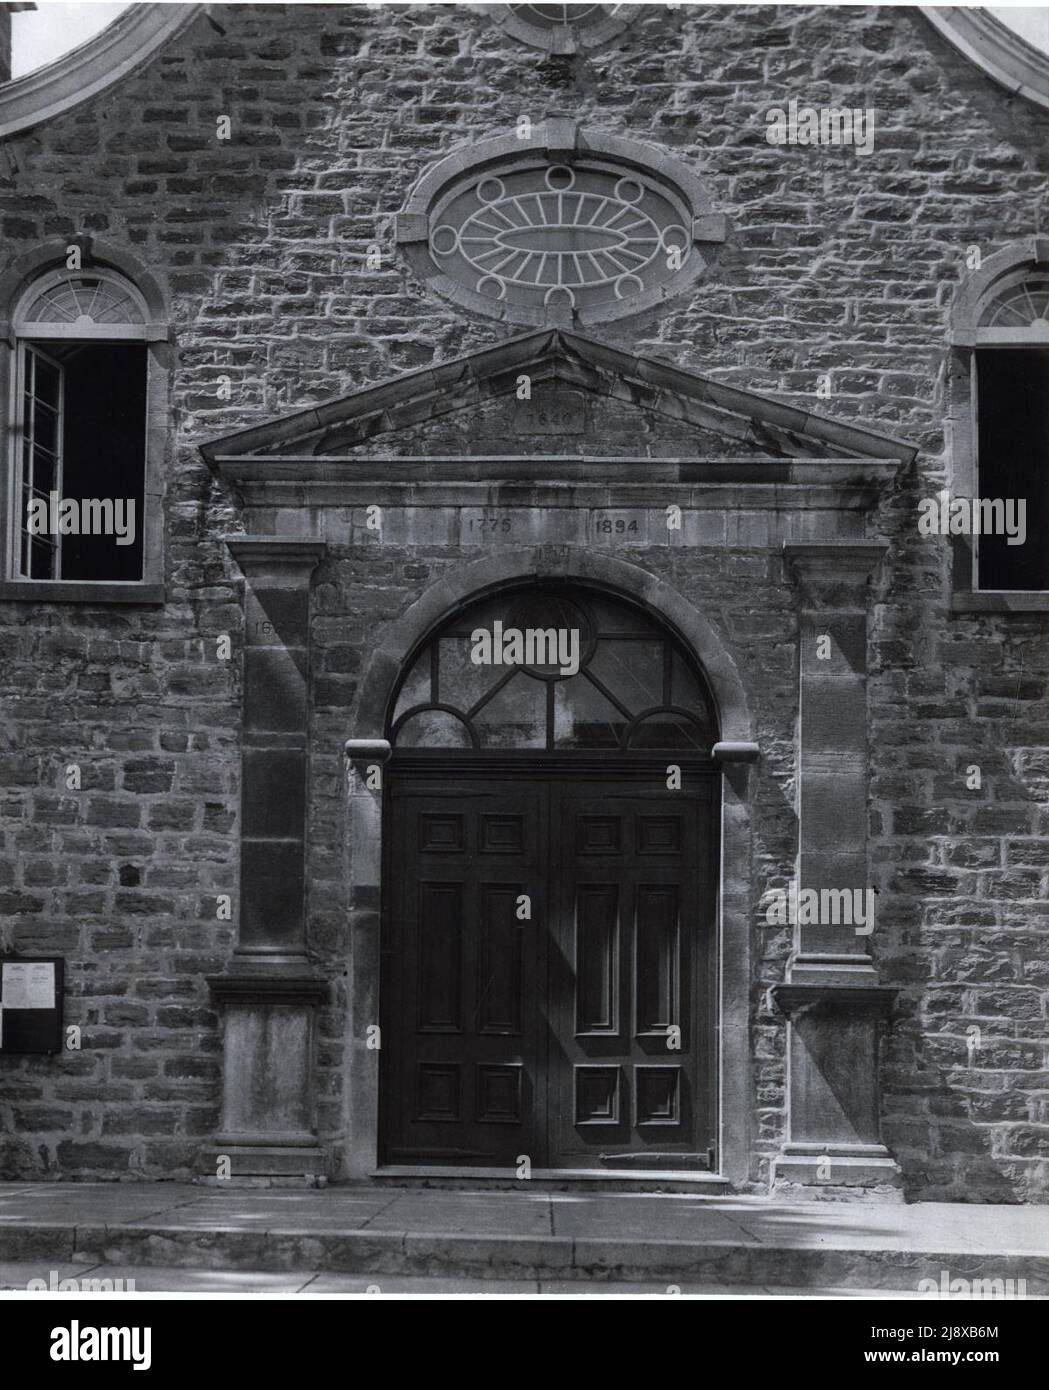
pixel 1013 433
pixel 84 439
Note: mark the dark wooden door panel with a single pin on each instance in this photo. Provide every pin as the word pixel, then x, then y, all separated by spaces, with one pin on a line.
pixel 581 1035
pixel 462 975
pixel 632 927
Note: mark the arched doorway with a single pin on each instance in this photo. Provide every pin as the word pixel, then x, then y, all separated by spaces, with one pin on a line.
pixel 549 977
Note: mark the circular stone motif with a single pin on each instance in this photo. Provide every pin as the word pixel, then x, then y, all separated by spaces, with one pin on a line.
pixel 548 16
pixel 564 29
pixel 552 234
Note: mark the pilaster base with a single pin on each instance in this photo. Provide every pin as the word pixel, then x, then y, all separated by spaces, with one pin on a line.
pixel 267 1081
pixel 834 1149
pixel 234 1160
pixel 836 1172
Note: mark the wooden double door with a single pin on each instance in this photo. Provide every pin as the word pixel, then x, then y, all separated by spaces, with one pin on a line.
pixel 549 977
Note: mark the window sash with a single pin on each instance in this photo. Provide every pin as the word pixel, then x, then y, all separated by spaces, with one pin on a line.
pixel 39 462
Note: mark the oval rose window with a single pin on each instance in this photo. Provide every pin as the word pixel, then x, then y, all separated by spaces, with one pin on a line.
pixel 555 234
pixel 564 29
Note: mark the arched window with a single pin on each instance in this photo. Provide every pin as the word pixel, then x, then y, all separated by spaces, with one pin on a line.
pixel 553 670
pixel 79 438
pixel 1001 329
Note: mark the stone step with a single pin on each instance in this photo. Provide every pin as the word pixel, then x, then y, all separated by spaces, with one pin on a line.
pixel 542 1257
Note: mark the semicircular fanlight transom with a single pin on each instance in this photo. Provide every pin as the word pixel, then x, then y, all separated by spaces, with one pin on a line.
pixel 1024 304
pixel 85 299
pixel 555 670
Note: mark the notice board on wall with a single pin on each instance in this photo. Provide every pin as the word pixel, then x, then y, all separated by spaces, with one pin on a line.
pixel 31 1003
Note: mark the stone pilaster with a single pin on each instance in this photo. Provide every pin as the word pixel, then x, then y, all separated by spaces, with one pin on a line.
pixel 269 992
pixel 832 998
pixel 364 758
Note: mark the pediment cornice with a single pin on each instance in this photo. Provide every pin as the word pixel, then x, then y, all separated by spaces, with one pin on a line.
pixel 327 435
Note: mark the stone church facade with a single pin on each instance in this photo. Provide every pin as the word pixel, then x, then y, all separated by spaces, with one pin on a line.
pixel 400 324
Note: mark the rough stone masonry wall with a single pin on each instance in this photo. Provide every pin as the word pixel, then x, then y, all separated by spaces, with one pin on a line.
pixel 835 264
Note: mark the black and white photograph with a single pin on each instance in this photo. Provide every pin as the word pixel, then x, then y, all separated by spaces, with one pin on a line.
pixel 524 667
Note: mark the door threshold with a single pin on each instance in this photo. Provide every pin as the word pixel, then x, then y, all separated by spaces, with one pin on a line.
pixel 646 1178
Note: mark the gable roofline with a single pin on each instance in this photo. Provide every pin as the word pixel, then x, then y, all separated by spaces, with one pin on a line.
pixel 1003 54
pixel 678 392
pixel 78 76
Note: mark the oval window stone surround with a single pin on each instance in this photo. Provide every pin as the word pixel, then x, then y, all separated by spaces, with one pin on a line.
pixel 567 227
pixel 564 29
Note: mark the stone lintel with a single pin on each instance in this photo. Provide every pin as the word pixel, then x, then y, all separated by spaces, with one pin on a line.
pixel 719 486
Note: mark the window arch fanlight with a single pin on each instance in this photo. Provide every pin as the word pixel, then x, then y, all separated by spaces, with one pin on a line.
pixel 1006 302
pixel 564 29
pixel 1019 310
pixel 559 226
pixel 95 303
pixel 494 678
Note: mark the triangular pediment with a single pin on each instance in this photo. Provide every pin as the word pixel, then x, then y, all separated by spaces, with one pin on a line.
pixel 555 393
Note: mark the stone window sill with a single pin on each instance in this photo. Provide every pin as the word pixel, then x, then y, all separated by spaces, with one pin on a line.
pixel 1000 602
pixel 79 591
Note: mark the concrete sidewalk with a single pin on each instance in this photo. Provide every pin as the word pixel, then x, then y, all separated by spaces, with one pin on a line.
pixel 538 1239
pixel 144 1279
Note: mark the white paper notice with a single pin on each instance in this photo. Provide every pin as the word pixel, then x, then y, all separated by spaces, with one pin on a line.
pixel 28 984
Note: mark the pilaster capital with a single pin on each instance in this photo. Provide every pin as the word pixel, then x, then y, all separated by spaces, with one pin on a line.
pixel 730 752
pixel 834 574
pixel 285 561
pixel 371 750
